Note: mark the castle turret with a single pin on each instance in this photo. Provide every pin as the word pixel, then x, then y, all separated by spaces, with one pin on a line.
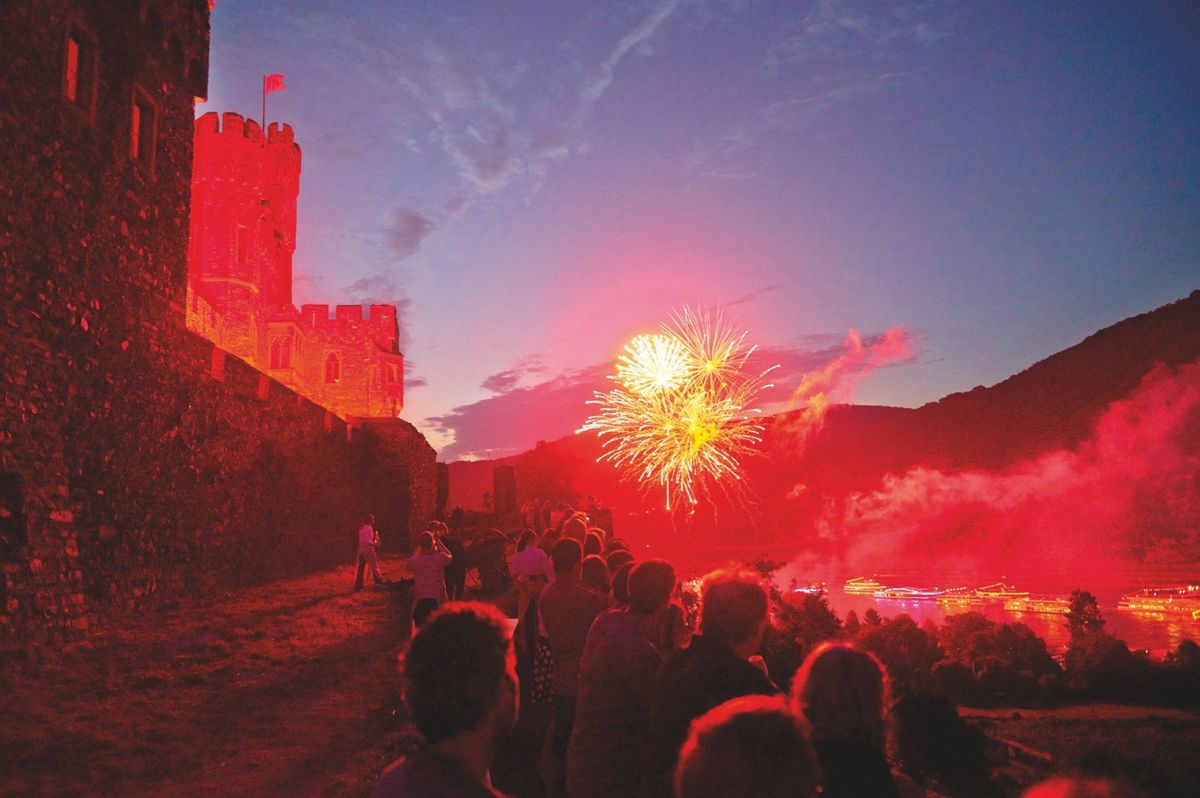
pixel 243 225
pixel 282 178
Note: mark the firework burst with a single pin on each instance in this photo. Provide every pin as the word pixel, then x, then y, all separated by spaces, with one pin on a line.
pixel 653 364
pixel 682 413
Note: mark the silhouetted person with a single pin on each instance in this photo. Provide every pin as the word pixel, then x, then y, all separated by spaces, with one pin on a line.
pixel 456 571
pixel 461 688
pixel 620 662
pixel 749 747
pixel 567 608
pixel 617 558
pixel 842 692
pixel 620 586
pixel 428 568
pixel 575 527
pixel 714 668
pixel 529 568
pixel 368 539
pixel 594 574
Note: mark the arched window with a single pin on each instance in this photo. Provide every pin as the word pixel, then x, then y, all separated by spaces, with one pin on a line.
pixel 277 353
pixel 333 368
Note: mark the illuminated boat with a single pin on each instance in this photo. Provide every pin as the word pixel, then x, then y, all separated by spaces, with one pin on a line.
pixel 959 597
pixel 862 585
pixel 810 589
pixel 908 594
pixel 998 591
pixel 1041 605
pixel 1183 599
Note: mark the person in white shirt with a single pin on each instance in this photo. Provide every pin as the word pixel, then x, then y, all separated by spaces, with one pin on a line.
pixel 368 539
pixel 428 567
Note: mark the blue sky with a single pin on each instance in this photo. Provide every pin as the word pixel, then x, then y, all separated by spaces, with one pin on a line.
pixel 535 183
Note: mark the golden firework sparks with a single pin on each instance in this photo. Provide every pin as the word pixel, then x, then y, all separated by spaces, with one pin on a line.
pixel 682 413
pixel 652 364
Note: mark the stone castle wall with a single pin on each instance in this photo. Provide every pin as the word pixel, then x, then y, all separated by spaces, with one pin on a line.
pixel 139 463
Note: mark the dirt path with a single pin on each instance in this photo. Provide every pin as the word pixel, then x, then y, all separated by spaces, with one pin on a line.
pixel 287 688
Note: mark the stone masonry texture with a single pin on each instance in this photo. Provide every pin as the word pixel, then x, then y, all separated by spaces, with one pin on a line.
pixel 138 463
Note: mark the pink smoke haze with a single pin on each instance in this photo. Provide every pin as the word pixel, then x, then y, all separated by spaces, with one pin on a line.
pixel 837 380
pixel 1128 493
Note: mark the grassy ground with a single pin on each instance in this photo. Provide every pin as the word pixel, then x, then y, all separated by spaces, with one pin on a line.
pixel 288 688
pixel 1151 748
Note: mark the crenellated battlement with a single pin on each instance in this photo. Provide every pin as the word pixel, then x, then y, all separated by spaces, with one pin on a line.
pixel 349 313
pixel 311 314
pixel 382 314
pixel 229 127
pixel 282 136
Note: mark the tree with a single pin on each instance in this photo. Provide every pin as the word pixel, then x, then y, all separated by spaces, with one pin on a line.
pixel 964 637
pixel 905 649
pixel 851 626
pixel 808 621
pixel 1084 615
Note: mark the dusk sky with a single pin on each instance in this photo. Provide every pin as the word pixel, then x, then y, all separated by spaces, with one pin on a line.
pixel 535 183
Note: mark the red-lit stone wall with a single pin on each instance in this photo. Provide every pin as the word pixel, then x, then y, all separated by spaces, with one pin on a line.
pixel 370 370
pixel 137 464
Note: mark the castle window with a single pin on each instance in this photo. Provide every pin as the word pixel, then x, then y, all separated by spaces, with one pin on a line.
pixel 333 368
pixel 281 353
pixel 393 374
pixel 79 72
pixel 142 132
pixel 243 244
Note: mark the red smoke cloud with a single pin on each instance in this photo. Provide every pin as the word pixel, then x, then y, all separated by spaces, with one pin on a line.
pixel 837 380
pixel 1129 494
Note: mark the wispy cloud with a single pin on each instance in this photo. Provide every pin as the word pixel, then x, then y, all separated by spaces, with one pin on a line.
pixel 407 230
pixel 803 109
pixel 517 417
pixel 508 379
pixel 746 299
pixel 837 53
pixel 599 81
pixel 845 30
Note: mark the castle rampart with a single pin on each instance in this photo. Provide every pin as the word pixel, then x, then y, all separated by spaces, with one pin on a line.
pixel 138 463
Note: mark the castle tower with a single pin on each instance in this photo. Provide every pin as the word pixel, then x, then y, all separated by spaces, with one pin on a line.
pixel 244 191
pixel 243 225
pixel 282 183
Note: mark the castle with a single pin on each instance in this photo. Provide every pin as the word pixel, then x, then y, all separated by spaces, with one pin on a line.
pixel 243 234
pixel 139 463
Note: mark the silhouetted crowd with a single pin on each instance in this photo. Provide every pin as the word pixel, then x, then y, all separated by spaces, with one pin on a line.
pixel 634 702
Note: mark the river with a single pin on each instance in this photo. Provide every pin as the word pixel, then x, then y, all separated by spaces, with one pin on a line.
pixel 1153 632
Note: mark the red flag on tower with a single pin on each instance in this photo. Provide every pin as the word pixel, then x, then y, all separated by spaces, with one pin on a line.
pixel 271 83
